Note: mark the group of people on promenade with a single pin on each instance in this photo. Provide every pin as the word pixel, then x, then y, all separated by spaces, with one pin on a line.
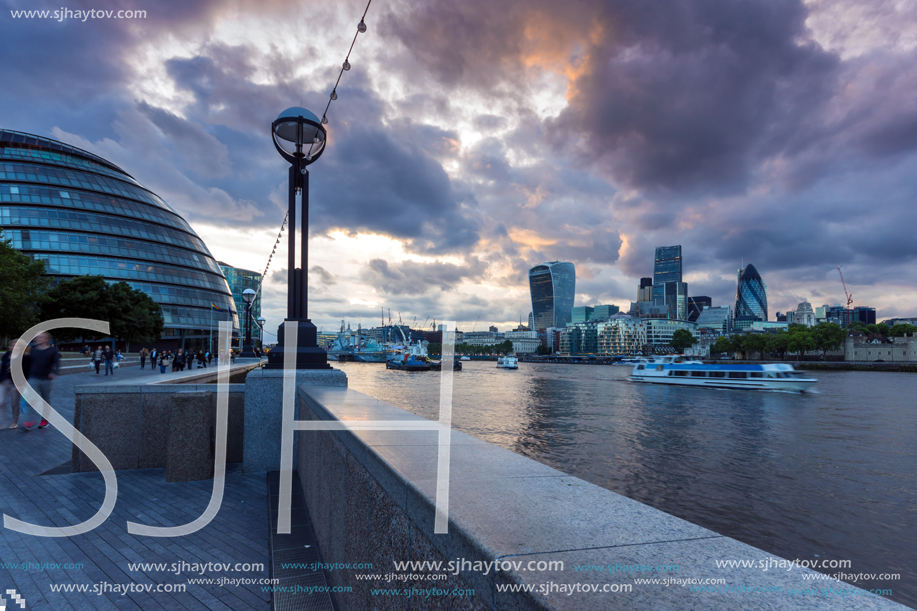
pixel 40 365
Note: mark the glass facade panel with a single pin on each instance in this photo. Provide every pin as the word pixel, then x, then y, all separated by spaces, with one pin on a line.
pixel 84 200
pixel 34 173
pixel 99 223
pixel 82 215
pixel 60 241
pixel 552 287
pixel 666 268
pixel 239 280
pixel 751 298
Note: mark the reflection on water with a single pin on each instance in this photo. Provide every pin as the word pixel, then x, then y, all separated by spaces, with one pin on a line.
pixel 832 474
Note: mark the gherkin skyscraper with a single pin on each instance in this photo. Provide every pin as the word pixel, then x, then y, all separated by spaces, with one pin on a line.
pixel 751 298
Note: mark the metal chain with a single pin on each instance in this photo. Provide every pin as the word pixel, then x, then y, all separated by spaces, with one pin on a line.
pixel 271 256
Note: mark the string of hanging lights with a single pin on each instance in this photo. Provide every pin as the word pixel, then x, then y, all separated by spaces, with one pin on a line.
pixel 361 29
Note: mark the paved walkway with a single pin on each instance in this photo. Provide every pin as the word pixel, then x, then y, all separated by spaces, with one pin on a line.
pixel 100 561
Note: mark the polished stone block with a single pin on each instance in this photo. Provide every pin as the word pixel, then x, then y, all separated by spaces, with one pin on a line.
pixel 189 454
pixel 264 413
pixel 111 422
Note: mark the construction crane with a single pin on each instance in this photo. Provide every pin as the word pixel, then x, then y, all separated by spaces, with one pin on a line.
pixel 848 294
pixel 475 324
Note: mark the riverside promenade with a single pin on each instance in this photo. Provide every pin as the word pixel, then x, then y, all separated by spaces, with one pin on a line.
pixel 36 486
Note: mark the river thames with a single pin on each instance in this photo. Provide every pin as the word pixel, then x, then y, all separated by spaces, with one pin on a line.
pixel 825 475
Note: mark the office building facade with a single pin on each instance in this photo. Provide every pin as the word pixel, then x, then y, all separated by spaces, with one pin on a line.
pixel 645 290
pixel 696 305
pixel 718 320
pixel 239 280
pixel 864 314
pixel 83 215
pixel 751 298
pixel 668 288
pixel 552 287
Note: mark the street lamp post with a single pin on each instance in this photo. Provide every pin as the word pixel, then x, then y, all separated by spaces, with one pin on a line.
pixel 260 320
pixel 299 137
pixel 248 352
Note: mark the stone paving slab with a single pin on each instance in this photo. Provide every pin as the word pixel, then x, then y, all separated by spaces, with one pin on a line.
pixel 100 559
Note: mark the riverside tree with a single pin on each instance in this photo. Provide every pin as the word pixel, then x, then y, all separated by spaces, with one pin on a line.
pixel 24 290
pixel 131 314
pixel 682 339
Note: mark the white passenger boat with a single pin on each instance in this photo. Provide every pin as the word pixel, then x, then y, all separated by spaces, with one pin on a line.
pixel 508 362
pixel 466 358
pixel 684 371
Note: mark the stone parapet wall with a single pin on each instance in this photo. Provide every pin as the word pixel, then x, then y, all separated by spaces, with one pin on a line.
pixel 371 495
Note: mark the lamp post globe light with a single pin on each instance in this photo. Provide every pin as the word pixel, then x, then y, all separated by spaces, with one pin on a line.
pixel 299 137
pixel 248 352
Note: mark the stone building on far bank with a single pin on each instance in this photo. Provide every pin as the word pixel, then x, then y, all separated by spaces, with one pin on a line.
pixel 865 348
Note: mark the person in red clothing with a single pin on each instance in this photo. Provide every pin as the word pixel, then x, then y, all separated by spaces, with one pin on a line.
pixel 43 368
pixel 8 391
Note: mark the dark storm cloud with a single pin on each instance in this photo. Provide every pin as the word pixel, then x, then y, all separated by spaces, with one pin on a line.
pixel 413 278
pixel 322 275
pixel 679 94
pixel 696 93
pixel 374 182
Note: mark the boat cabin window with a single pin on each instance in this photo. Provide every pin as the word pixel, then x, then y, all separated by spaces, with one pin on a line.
pixel 717 374
pixel 640 367
pixel 698 374
pixel 771 374
pixel 680 373
pixel 756 374
pixel 738 374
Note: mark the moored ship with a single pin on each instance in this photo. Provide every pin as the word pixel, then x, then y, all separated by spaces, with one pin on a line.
pixel 682 371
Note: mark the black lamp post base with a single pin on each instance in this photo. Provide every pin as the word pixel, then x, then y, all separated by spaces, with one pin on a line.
pixel 248 353
pixel 308 354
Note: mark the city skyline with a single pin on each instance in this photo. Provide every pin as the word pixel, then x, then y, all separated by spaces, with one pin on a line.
pixel 461 156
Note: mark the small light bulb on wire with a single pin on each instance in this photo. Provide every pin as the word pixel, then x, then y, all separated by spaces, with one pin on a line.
pixel 346 65
pixel 361 27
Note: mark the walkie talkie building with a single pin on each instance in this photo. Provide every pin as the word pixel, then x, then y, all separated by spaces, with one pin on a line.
pixel 83 215
pixel 552 286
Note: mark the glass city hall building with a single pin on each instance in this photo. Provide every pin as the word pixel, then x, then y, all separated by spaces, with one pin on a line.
pixel 83 215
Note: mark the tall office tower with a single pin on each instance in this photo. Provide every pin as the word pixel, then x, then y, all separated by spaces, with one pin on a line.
pixel 645 292
pixel 751 298
pixel 552 286
pixel 668 289
pixel 531 322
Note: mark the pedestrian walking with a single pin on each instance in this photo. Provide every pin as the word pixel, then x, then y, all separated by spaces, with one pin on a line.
pixel 44 366
pixel 180 359
pixel 97 357
pixel 8 391
pixel 154 359
pixel 163 361
pixel 109 357
pixel 143 354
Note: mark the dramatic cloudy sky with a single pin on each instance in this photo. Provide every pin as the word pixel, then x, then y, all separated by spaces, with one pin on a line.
pixel 475 139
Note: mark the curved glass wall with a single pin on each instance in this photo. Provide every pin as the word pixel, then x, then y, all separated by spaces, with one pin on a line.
pixel 83 215
pixel 751 297
pixel 552 286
